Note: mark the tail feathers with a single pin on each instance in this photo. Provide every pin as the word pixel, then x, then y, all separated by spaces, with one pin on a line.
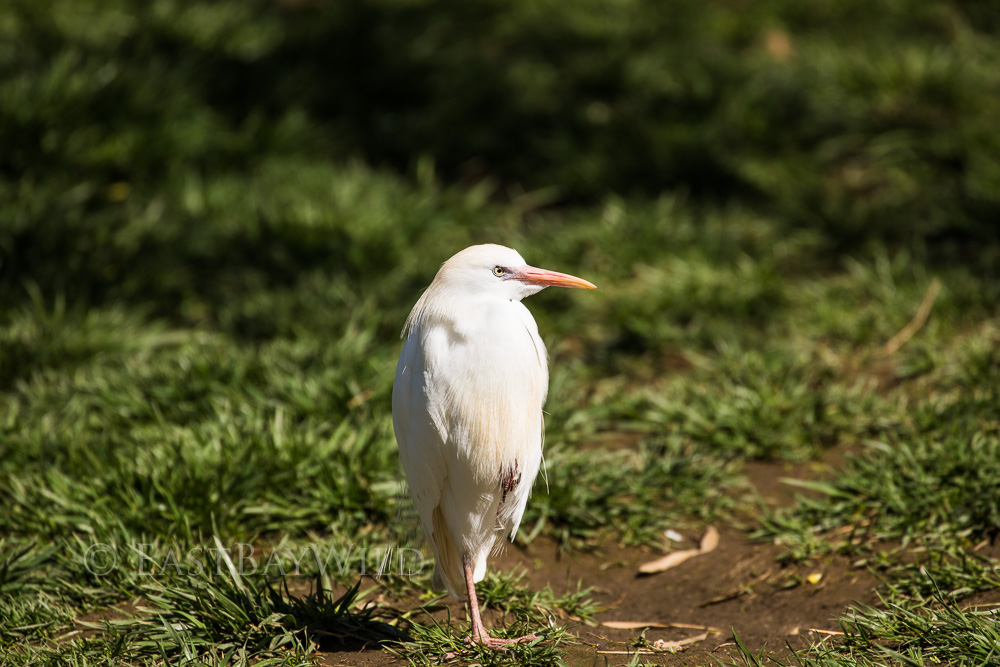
pixel 449 572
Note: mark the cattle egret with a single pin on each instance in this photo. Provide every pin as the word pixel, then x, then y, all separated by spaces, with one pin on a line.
pixel 467 411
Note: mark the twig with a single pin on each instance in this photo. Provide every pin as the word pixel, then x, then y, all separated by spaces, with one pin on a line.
pixel 919 319
pixel 637 625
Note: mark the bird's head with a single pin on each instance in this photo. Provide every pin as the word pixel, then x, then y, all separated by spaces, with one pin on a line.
pixel 497 270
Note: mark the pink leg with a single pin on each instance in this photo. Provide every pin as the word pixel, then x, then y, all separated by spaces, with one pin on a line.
pixel 479 634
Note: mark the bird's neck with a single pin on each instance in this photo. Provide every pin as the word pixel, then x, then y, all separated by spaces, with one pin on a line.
pixel 470 316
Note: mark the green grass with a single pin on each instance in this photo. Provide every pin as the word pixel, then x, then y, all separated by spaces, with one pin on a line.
pixel 211 231
pixel 923 631
pixel 929 475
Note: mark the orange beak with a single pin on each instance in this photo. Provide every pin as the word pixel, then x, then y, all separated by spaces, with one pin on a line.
pixel 546 278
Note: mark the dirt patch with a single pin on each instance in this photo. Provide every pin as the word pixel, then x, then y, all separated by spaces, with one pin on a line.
pixel 739 586
pixel 767 477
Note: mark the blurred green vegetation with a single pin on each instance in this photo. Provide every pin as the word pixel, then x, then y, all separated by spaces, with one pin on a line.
pixel 137 132
pixel 214 217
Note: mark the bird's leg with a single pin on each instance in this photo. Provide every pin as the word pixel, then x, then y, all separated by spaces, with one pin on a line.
pixel 479 634
pixel 478 631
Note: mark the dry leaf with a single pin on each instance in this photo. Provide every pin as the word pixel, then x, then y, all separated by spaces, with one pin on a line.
pixel 725 597
pixel 634 625
pixel 710 540
pixel 662 645
pixel 670 560
pixel 695 626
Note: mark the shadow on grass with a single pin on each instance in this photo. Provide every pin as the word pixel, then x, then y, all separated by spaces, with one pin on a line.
pixel 241 618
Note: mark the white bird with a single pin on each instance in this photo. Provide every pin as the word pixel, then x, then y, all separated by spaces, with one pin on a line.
pixel 467 411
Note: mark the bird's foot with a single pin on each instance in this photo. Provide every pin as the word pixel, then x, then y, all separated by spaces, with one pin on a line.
pixel 500 643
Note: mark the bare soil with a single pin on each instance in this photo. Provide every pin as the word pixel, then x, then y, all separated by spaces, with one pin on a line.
pixel 739 586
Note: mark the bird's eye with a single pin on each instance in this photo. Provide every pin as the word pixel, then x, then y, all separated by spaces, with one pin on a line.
pixel 499 271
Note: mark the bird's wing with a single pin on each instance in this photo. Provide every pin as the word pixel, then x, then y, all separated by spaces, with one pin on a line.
pixel 524 429
pixel 421 448
pixel 423 452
